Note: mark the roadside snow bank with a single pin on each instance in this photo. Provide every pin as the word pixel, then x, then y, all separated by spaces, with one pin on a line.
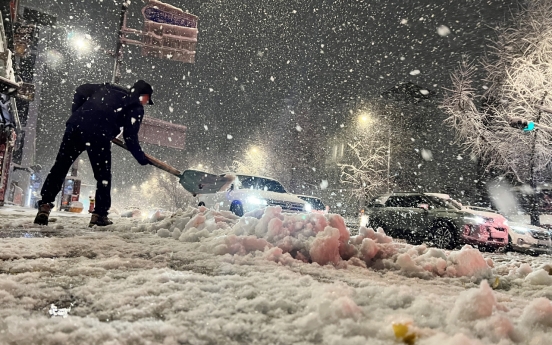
pixel 316 238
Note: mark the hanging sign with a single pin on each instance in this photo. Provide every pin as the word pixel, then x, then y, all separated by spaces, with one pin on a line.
pixel 162 13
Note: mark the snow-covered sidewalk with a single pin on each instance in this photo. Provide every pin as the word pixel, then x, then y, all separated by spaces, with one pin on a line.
pixel 207 277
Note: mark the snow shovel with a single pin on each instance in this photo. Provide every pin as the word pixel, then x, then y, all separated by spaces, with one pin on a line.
pixel 194 181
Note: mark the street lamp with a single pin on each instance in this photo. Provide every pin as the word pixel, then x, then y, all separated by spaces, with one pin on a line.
pixel 364 120
pixel 81 43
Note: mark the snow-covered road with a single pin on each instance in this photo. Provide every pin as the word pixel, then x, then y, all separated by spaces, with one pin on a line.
pixel 206 277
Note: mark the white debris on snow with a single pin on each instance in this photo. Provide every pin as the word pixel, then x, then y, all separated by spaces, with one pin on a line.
pixel 55 311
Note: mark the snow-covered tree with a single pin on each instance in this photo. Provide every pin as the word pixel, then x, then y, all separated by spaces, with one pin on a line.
pixel 254 162
pixel 366 174
pixel 164 190
pixel 518 74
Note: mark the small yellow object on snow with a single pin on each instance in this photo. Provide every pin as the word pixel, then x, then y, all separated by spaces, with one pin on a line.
pixel 403 333
pixel 496 283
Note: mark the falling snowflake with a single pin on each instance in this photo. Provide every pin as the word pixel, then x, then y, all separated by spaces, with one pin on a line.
pixel 443 30
pixel 105 183
pixel 427 155
pixel 298 128
pixel 171 109
pixel 424 92
pixel 206 128
pixel 324 184
pixel 404 21
pixel 229 136
pixel 415 72
pixel 132 120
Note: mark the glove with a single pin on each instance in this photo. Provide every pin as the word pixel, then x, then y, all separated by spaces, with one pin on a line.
pixel 141 158
pixel 143 161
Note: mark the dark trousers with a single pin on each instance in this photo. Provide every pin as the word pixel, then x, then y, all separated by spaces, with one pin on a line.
pixel 98 147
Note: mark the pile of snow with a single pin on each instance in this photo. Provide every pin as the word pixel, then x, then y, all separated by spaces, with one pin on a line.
pixel 313 238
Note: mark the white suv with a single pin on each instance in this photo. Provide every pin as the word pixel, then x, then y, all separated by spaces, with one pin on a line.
pixel 248 193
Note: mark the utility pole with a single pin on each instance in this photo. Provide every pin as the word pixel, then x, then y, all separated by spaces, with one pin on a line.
pixel 389 161
pixel 119 48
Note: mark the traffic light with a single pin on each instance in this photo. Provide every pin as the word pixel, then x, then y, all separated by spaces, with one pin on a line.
pixel 519 123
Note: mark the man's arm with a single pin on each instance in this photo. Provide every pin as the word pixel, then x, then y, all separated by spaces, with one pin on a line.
pixel 82 93
pixel 130 134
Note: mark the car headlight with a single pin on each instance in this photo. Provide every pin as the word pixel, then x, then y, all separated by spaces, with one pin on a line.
pixel 307 207
pixel 475 219
pixel 256 201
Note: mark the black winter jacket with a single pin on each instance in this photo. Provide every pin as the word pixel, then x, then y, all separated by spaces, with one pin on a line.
pixel 103 109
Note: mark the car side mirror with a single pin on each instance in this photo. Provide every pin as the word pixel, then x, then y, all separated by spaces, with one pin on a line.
pixel 423 206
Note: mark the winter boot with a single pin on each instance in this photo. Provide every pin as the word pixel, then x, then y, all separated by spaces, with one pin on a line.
pixel 43 213
pixel 98 220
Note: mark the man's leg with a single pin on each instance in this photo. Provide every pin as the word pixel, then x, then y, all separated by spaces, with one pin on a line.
pixel 71 147
pixel 99 153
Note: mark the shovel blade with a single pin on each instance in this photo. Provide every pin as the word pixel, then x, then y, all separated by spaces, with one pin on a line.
pixel 200 182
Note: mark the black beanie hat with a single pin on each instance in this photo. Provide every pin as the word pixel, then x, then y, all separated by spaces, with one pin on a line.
pixel 142 88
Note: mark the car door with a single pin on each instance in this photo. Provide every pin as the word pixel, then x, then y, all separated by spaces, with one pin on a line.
pixel 397 214
pixel 419 220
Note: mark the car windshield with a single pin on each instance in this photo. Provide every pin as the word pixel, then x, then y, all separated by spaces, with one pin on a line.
pixel 315 203
pixel 442 203
pixel 260 183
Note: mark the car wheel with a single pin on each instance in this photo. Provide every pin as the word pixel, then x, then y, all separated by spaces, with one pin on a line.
pixel 443 236
pixel 201 203
pixel 237 208
pixel 375 223
pixel 508 247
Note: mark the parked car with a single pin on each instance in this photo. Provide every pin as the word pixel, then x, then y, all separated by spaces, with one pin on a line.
pixel 523 237
pixel 157 214
pixel 248 193
pixel 132 212
pixel 314 204
pixel 419 217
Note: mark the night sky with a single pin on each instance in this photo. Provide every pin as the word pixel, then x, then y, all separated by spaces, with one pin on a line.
pixel 255 59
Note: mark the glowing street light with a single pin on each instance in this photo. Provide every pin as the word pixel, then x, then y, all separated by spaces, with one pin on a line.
pixel 364 120
pixel 79 42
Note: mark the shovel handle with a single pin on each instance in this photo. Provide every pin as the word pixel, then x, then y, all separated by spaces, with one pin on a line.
pixel 154 161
